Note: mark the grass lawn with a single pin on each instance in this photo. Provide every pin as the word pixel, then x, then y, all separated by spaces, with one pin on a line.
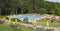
pixel 50 24
pixel 28 29
pixel 5 27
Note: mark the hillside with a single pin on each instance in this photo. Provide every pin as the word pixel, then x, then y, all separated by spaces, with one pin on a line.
pixel 11 7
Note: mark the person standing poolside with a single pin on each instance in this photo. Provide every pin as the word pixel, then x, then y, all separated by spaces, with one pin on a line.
pixel 47 24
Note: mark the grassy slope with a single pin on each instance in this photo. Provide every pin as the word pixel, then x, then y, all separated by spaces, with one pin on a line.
pixel 28 29
pixel 5 27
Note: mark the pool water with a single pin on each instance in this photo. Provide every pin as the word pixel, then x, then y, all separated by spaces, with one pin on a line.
pixel 29 17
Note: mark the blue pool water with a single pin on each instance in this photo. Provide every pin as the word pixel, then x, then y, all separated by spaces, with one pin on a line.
pixel 29 17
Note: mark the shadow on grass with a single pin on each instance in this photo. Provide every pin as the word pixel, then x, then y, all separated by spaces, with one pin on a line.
pixel 1 23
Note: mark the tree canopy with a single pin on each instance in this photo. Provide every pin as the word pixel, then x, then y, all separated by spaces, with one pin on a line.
pixel 11 7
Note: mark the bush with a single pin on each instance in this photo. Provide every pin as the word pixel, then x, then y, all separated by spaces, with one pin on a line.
pixel 13 19
pixel 7 18
pixel 4 17
pixel 18 20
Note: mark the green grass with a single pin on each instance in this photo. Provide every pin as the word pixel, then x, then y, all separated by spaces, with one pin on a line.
pixel 5 27
pixel 50 24
pixel 28 29
pixel 54 24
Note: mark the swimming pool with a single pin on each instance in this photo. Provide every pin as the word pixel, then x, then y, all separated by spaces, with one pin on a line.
pixel 30 17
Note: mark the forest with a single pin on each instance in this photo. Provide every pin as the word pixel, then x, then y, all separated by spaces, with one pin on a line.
pixel 14 7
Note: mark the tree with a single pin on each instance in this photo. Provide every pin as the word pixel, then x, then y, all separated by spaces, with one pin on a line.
pixel 8 5
pixel 27 6
pixel 42 11
pixel 57 12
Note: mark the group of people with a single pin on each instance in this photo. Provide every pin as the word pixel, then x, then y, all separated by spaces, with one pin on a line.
pixel 54 18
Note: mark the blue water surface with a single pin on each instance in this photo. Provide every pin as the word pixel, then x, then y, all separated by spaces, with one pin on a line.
pixel 29 17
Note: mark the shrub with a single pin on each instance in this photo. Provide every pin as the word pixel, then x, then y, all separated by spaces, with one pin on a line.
pixel 13 19
pixel 1 16
pixel 7 18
